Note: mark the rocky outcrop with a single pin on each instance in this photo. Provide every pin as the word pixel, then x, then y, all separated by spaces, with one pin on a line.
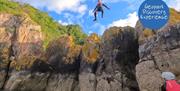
pixel 114 62
pixel 20 43
pixel 63 55
pixel 98 65
pixel 90 56
pixel 123 59
pixel 115 69
pixel 159 53
pixel 22 36
pixel 119 56
pixel 56 71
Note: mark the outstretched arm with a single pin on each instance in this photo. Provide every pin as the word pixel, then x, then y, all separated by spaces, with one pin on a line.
pixel 95 9
pixel 105 6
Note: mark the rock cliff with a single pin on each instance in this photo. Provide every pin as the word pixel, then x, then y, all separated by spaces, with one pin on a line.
pixel 122 59
pixel 100 64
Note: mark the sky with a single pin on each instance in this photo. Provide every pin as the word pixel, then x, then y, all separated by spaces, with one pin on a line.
pixel 122 12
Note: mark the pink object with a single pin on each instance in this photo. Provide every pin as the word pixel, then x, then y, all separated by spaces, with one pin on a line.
pixel 172 85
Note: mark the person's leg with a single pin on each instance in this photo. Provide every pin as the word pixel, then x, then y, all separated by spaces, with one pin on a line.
pixel 95 15
pixel 102 11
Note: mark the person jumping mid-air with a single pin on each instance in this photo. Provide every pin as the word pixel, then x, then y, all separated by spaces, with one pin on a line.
pixel 99 8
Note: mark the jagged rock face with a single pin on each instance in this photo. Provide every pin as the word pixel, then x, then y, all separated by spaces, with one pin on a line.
pixel 23 36
pixel 158 54
pixel 20 42
pixel 98 65
pixel 90 54
pixel 6 33
pixel 116 70
pixel 118 44
pixel 63 55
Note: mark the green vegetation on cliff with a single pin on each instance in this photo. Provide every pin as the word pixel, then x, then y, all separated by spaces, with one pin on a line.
pixel 174 16
pixel 50 28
